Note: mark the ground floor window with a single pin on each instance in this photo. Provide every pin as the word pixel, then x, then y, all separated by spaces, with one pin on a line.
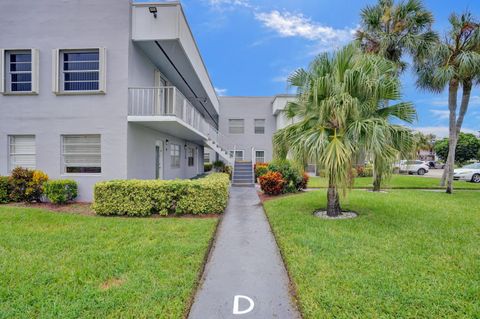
pixel 191 156
pixel 259 156
pixel 81 154
pixel 22 151
pixel 238 155
pixel 206 157
pixel 175 155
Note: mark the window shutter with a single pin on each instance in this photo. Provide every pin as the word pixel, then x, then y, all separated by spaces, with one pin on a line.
pixel 55 71
pixel 102 53
pixel 2 71
pixel 35 70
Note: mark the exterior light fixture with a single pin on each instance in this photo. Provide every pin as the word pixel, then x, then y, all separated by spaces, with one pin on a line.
pixel 153 10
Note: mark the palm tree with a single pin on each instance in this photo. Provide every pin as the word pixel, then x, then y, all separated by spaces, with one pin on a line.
pixel 391 30
pixel 424 142
pixel 453 62
pixel 337 96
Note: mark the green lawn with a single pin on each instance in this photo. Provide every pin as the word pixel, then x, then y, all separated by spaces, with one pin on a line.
pixel 397 182
pixel 410 254
pixel 56 265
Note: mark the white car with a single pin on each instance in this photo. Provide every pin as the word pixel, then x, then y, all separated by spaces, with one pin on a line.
pixel 413 167
pixel 469 173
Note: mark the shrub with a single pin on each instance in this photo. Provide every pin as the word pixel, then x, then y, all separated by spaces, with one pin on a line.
pixel 26 185
pixel 61 191
pixel 144 197
pixel 4 190
pixel 207 167
pixel 218 165
pixel 291 175
pixel 365 171
pixel 34 189
pixel 304 183
pixel 272 183
pixel 260 169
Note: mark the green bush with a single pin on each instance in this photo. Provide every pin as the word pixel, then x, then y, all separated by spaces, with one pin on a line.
pixel 61 191
pixel 365 171
pixel 4 190
pixel 207 195
pixel 207 167
pixel 260 169
pixel 292 176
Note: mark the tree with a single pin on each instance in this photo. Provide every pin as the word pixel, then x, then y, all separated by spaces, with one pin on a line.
pixel 391 31
pixel 336 97
pixel 424 142
pixel 468 147
pixel 454 63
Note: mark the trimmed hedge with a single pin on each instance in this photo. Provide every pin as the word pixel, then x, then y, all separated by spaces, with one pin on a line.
pixel 61 191
pixel 207 195
pixel 4 190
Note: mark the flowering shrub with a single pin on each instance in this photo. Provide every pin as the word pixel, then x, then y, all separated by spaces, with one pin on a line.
pixel 260 169
pixel 272 183
pixel 291 175
pixel 26 185
pixel 304 182
pixel 364 171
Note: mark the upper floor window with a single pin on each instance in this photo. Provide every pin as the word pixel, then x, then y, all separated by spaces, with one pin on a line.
pixel 236 126
pixel 175 155
pixel 79 71
pixel 259 126
pixel 82 154
pixel 19 71
pixel 22 151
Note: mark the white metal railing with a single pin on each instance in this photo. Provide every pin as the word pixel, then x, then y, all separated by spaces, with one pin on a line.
pixel 254 160
pixel 165 101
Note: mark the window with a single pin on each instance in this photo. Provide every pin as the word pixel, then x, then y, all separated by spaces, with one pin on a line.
pixel 259 126
pixel 79 71
pixel 206 157
pixel 81 154
pixel 238 155
pixel 22 151
pixel 19 71
pixel 236 126
pixel 175 155
pixel 191 156
pixel 259 156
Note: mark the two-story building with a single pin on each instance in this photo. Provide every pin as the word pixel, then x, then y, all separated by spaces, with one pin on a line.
pixel 99 90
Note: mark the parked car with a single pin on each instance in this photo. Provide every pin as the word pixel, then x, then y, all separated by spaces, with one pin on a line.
pixel 413 167
pixel 469 173
pixel 434 164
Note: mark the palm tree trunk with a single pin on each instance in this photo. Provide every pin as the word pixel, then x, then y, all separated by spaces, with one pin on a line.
pixel 333 200
pixel 452 138
pixel 377 182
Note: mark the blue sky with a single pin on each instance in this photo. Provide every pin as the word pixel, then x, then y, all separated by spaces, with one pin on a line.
pixel 251 46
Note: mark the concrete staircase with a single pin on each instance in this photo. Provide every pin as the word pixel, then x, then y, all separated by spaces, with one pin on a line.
pixel 220 151
pixel 243 174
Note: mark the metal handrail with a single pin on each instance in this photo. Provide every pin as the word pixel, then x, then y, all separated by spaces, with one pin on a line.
pixel 253 165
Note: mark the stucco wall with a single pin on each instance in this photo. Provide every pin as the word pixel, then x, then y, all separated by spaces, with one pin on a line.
pixel 66 24
pixel 249 109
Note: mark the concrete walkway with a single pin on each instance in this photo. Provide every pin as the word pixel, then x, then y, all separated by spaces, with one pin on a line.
pixel 245 268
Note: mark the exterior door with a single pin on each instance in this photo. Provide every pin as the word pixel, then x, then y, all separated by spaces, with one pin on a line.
pixel 160 94
pixel 159 160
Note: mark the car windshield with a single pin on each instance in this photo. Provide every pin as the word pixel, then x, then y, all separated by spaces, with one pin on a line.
pixel 473 166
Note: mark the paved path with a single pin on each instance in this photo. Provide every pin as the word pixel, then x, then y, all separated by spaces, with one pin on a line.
pixel 245 261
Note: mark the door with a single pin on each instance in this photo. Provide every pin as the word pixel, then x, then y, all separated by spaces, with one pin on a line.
pixel 159 160
pixel 161 94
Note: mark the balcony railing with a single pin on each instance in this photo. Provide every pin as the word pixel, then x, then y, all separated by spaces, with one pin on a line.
pixel 166 101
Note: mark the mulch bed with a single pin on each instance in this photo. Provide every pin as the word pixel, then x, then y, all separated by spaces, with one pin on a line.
pixel 86 209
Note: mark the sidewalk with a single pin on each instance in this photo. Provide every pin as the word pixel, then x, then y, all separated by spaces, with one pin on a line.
pixel 245 262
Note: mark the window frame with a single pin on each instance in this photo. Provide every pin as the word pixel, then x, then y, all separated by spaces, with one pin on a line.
pixel 255 127
pixel 5 73
pixel 63 154
pixel 58 80
pixel 256 161
pixel 237 151
pixel 10 155
pixel 174 158
pixel 230 127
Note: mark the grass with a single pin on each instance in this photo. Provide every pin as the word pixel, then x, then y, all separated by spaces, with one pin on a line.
pixel 409 254
pixel 56 265
pixel 398 182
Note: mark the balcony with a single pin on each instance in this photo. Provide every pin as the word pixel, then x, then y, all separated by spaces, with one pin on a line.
pixel 167 110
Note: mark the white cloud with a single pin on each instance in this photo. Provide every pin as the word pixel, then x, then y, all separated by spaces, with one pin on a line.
pixel 441 114
pixel 441 131
pixel 221 92
pixel 223 5
pixel 443 102
pixel 288 24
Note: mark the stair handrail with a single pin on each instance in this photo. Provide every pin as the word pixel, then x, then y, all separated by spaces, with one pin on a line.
pixel 217 132
pixel 253 165
pixel 234 161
